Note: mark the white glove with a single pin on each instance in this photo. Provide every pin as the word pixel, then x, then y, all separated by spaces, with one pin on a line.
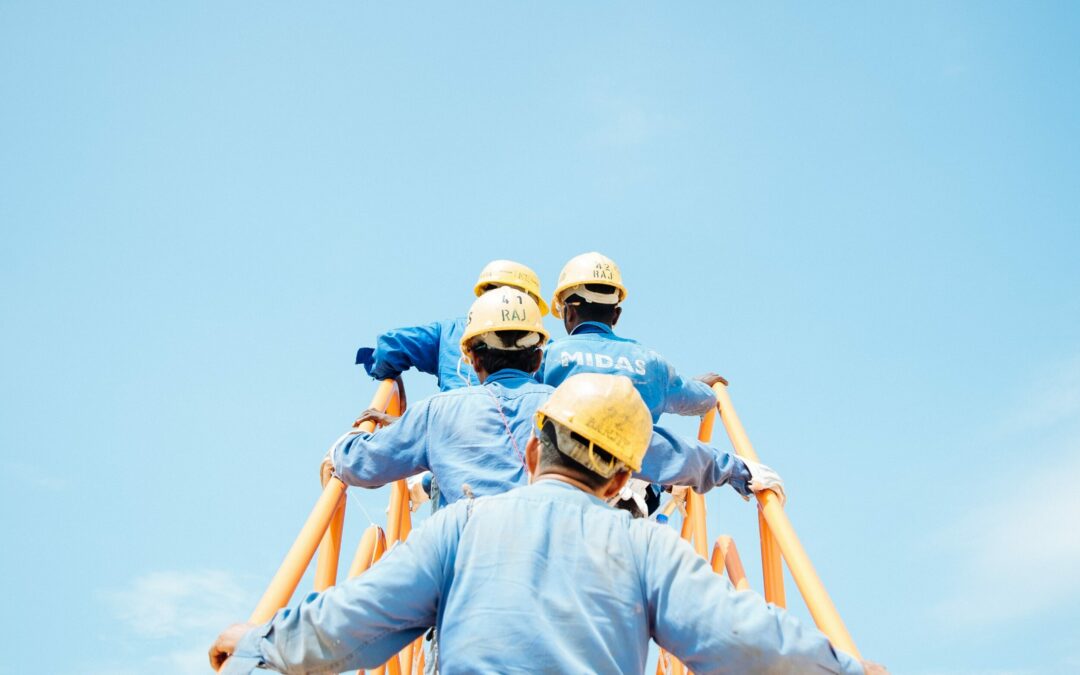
pixel 634 491
pixel 416 490
pixel 764 478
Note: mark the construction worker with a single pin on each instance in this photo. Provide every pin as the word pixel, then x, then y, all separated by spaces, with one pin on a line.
pixel 587 299
pixel 434 348
pixel 473 438
pixel 544 578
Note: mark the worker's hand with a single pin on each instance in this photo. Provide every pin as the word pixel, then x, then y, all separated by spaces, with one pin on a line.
pixel 711 379
pixel 225 644
pixel 872 668
pixel 374 415
pixel 764 478
pixel 326 470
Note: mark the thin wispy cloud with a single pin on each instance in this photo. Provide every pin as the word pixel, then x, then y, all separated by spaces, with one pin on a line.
pixel 166 620
pixel 626 124
pixel 1053 401
pixel 1016 544
pixel 178 603
pixel 45 480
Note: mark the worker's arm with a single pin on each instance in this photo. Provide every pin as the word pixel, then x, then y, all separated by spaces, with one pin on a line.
pixel 387 454
pixel 362 622
pixel 697 616
pixel 687 397
pixel 674 460
pixel 399 349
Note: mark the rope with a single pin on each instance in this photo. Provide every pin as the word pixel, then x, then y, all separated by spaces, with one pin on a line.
pixel 506 425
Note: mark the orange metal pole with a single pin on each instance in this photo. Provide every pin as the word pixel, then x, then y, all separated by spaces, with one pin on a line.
pixel 406 514
pixel 371 547
pixel 288 576
pixel 289 573
pixel 813 591
pixel 725 556
pixel 398 493
pixel 326 568
pixel 696 515
pixel 694 530
pixel 772 569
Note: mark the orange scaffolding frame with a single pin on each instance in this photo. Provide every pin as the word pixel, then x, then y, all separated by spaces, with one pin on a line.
pixel 323 531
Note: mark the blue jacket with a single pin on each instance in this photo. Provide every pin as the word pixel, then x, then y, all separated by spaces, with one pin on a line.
pixel 545 578
pixel 461 437
pixel 434 349
pixel 594 348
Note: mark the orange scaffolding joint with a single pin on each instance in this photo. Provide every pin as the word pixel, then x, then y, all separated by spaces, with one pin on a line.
pixel 725 557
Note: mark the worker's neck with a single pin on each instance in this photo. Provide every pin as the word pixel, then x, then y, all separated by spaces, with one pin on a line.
pixel 572 326
pixel 570 480
pixel 483 375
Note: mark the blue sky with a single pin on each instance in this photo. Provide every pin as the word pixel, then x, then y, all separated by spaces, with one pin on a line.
pixel 866 217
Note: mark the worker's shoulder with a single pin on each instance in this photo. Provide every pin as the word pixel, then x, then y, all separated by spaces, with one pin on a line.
pixel 592 338
pixel 651 539
pixel 524 386
pixel 451 325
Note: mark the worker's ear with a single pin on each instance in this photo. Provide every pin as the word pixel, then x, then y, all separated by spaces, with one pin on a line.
pixel 538 358
pixel 532 456
pixel 569 317
pixel 616 484
pixel 615 315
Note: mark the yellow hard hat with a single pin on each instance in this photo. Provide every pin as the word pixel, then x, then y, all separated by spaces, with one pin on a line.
pixel 504 308
pixel 605 409
pixel 588 268
pixel 509 273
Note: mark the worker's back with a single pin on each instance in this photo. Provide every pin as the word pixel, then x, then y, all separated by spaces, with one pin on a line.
pixel 471 435
pixel 544 581
pixel 594 348
pixel 548 578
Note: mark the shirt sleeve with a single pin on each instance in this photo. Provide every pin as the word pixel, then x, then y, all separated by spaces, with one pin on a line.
pixel 685 397
pixel 674 460
pixel 387 454
pixel 364 621
pixel 399 349
pixel 697 616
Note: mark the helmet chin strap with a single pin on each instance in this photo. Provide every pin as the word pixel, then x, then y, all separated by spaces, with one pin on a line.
pixel 465 379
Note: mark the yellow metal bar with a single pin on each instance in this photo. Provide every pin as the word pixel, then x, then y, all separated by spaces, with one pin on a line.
pixel 725 557
pixel 772 568
pixel 813 591
pixel 289 573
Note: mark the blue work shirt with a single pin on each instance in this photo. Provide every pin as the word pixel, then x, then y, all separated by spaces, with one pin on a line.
pixel 594 348
pixel 461 437
pixel 545 578
pixel 434 349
